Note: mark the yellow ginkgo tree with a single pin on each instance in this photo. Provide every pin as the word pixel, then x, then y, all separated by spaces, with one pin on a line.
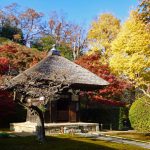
pixel 102 32
pixel 130 55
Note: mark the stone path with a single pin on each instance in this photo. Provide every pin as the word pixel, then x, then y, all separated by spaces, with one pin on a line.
pixel 116 139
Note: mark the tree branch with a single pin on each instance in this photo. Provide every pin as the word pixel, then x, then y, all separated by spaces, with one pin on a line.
pixel 145 92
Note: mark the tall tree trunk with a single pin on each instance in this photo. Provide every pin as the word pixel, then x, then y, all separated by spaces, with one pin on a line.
pixel 40 124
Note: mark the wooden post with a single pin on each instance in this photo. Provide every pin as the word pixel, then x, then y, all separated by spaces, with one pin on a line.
pixel 50 111
pixel 79 119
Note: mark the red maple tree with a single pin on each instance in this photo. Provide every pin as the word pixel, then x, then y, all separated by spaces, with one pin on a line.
pixel 111 94
pixel 7 105
pixel 14 58
pixel 19 57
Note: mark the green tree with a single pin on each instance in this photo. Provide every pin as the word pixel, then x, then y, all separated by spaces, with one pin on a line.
pixel 11 32
pixel 43 44
pixel 131 53
pixel 46 43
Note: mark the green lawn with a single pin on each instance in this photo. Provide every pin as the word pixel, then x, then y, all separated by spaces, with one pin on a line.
pixel 63 142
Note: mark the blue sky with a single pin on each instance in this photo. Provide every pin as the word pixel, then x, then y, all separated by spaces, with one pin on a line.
pixel 79 11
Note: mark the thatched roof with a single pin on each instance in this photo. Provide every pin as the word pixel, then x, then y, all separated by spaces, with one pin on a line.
pixel 58 68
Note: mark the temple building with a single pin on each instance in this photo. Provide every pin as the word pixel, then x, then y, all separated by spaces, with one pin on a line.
pixel 54 67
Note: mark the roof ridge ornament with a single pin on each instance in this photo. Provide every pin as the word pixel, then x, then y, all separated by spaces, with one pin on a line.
pixel 54 51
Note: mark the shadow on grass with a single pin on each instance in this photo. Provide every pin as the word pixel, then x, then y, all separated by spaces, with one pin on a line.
pixel 23 141
pixel 52 143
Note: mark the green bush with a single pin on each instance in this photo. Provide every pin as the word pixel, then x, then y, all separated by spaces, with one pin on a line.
pixel 139 114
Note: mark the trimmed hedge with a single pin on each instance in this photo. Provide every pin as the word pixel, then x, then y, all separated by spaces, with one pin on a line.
pixel 139 114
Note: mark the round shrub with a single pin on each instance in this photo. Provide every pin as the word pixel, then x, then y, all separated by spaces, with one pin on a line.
pixel 139 114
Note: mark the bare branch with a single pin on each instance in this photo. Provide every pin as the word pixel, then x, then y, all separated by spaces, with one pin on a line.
pixel 147 94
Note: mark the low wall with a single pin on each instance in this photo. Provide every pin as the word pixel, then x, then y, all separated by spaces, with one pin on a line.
pixel 56 128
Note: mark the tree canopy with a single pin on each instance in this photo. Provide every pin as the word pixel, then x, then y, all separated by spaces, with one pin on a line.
pixel 28 26
pixel 131 52
pixel 102 32
pixel 15 57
